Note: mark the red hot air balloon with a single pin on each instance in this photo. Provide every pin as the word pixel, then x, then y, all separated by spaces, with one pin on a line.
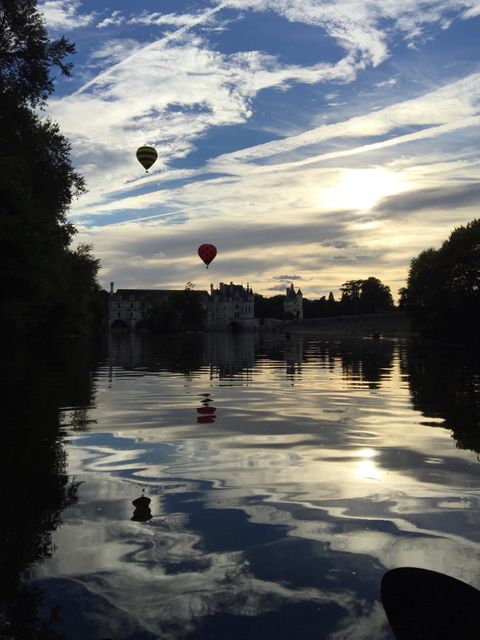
pixel 207 253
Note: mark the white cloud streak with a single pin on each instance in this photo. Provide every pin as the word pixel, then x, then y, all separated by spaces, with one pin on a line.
pixel 64 14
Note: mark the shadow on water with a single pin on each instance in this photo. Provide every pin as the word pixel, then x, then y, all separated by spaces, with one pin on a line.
pixel 34 487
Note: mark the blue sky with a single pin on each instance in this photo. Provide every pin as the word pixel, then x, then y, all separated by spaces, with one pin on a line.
pixel 310 141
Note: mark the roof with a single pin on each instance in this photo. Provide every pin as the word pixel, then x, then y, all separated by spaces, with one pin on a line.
pixel 138 294
pixel 227 291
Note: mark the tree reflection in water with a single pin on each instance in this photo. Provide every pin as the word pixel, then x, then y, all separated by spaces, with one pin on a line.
pixel 34 488
pixel 445 384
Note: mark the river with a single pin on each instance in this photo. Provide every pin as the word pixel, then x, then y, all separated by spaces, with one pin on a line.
pixel 285 477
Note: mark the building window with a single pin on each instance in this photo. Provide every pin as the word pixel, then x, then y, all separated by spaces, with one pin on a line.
pixel 119 306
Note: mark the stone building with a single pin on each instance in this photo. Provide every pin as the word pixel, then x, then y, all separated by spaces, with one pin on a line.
pixel 126 307
pixel 231 306
pixel 293 305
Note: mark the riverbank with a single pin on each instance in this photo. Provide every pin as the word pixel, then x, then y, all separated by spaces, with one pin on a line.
pixel 382 324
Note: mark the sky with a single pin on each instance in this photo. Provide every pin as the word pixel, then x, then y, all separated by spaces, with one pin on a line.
pixel 311 141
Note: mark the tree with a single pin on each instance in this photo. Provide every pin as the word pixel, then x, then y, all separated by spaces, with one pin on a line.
pixel 269 307
pixel 375 297
pixel 315 308
pixel 350 300
pixel 365 296
pixel 443 286
pixel 37 185
pixel 27 55
pixel 179 311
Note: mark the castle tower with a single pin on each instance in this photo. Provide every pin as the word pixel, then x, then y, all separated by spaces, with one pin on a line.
pixel 293 305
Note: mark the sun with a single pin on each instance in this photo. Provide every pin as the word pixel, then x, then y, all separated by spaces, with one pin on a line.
pixel 361 189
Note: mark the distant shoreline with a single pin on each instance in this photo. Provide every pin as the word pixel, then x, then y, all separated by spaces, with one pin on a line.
pixel 382 324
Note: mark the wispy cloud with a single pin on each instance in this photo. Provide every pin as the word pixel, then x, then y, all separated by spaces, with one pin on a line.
pixel 115 19
pixel 321 191
pixel 65 14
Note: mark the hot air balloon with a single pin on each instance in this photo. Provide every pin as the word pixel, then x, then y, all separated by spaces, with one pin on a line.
pixel 207 253
pixel 146 156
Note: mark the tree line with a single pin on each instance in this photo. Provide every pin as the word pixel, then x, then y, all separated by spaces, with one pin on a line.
pixel 47 286
pixel 359 296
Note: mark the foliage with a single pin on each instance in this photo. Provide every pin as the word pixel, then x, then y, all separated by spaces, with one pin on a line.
pixel 26 53
pixel 40 275
pixel 179 311
pixel 38 383
pixel 268 307
pixel 365 296
pixel 442 295
pixel 358 297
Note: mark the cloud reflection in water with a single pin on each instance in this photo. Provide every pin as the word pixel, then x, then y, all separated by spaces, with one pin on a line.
pixel 281 514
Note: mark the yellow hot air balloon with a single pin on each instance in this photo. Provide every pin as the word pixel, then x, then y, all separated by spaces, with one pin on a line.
pixel 146 156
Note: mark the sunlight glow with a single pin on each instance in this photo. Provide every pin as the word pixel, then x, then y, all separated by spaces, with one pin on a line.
pixel 366 470
pixel 367 453
pixel 362 189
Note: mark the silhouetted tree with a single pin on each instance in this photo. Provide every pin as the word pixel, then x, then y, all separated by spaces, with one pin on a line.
pixel 40 275
pixel 332 305
pixel 269 307
pixel 315 308
pixel 350 300
pixel 365 296
pixel 179 311
pixel 375 297
pixel 443 286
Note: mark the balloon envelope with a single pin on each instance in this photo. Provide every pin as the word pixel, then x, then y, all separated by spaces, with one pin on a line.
pixel 207 252
pixel 146 156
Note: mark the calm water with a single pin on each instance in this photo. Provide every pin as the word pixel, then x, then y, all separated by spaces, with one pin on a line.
pixel 285 478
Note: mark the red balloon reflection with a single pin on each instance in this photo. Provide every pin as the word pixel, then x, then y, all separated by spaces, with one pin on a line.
pixel 207 413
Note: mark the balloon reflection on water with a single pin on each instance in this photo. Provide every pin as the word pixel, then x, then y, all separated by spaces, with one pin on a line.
pixel 207 413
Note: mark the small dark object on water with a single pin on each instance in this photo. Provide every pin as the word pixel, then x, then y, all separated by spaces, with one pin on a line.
pixel 376 335
pixel 142 502
pixel 427 605
pixel 142 511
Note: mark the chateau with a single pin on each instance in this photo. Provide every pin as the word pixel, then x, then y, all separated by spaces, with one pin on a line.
pixel 230 307
pixel 293 305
